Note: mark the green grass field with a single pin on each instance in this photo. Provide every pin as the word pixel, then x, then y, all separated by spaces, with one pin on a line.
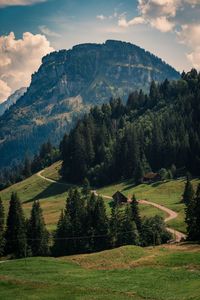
pixel 130 272
pixel 52 196
pixel 166 193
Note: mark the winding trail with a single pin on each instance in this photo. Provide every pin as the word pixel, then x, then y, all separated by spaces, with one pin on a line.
pixel 177 235
pixel 48 179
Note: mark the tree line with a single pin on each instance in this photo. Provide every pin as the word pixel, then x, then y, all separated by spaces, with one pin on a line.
pixel 191 199
pixel 84 226
pixel 47 155
pixel 150 132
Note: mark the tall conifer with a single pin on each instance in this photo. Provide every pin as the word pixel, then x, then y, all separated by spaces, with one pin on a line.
pixel 16 242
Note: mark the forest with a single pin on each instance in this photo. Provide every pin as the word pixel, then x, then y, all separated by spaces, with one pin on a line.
pixel 159 131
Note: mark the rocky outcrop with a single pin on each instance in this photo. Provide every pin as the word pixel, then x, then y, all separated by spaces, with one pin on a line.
pixel 67 84
pixel 12 99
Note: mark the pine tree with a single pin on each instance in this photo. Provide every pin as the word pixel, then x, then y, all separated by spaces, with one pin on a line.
pixel 75 207
pixel 37 233
pixel 197 213
pixel 63 243
pixel 135 213
pixel 16 243
pixel 100 225
pixel 193 217
pixel 115 226
pixel 130 235
pixel 27 167
pixel 139 173
pixel 188 194
pixel 2 216
pixel 86 187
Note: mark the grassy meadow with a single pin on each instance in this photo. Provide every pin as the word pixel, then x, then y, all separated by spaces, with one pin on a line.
pixel 52 196
pixel 162 273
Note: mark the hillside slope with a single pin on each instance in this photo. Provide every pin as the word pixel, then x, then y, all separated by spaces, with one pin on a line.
pixel 52 196
pixel 12 100
pixel 67 84
pixel 160 273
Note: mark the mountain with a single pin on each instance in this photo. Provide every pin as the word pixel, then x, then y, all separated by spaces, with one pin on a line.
pixel 12 99
pixel 67 84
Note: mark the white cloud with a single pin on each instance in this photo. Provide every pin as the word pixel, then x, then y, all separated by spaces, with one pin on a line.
pixel 45 30
pixel 5 91
pixel 189 35
pixel 122 22
pixel 178 16
pixel 110 17
pixel 4 3
pixel 162 24
pixel 19 59
pixel 101 17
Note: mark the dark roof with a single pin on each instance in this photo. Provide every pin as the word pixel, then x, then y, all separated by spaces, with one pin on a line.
pixel 151 175
pixel 118 196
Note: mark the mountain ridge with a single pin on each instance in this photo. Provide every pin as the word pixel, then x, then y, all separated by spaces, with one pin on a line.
pixel 67 84
pixel 12 99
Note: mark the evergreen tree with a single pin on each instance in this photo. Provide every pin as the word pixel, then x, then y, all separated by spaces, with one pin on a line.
pixel 27 167
pixel 193 217
pixel 63 243
pixel 135 213
pixel 37 233
pixel 188 194
pixel 139 173
pixel 130 235
pixel 2 216
pixel 16 243
pixel 197 213
pixel 75 207
pixel 154 231
pixel 116 226
pixel 86 187
pixel 100 225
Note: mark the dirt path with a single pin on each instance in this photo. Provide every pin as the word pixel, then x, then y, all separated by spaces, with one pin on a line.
pixel 48 179
pixel 177 235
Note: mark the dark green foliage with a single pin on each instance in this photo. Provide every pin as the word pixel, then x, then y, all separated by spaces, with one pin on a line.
pixel 193 217
pixel 188 194
pixel 116 234
pixel 159 131
pixel 16 243
pixel 154 231
pixel 85 227
pixel 37 233
pixel 27 167
pixel 2 216
pixel 135 213
pixel 63 243
pixel 130 235
pixel 47 155
pixel 86 187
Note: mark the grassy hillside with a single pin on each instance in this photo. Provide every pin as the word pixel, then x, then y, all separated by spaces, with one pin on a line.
pixel 161 273
pixel 52 196
pixel 166 193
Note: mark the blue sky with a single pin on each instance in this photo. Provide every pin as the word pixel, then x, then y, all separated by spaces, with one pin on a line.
pixel 168 28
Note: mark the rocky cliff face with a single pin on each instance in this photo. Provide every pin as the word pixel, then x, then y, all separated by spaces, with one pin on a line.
pixel 11 100
pixel 67 84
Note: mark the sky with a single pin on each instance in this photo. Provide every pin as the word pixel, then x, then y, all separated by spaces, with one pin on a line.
pixel 30 29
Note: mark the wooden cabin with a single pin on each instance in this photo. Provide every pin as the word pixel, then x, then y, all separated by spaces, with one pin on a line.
pixel 151 177
pixel 119 198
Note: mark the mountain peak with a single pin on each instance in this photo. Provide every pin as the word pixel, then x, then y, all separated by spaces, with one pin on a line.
pixel 68 83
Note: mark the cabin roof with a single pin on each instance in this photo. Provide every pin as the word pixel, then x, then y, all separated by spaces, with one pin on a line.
pixel 119 196
pixel 151 175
